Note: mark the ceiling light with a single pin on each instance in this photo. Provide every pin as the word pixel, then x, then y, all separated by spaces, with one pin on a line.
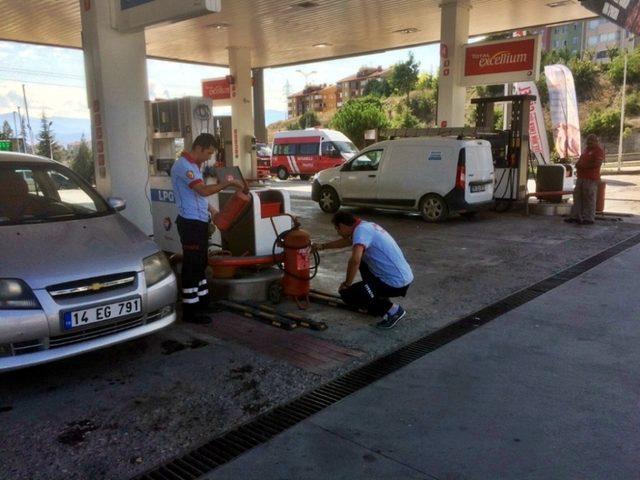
pixel 321 45
pixel 560 3
pixel 219 26
pixel 406 30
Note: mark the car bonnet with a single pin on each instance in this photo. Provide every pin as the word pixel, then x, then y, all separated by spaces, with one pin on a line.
pixel 45 254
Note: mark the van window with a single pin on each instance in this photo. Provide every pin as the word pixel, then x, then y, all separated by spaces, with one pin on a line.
pixel 329 150
pixel 368 161
pixel 308 149
pixel 284 149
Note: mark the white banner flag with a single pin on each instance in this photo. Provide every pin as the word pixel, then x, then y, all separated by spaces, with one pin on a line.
pixel 564 110
pixel 538 143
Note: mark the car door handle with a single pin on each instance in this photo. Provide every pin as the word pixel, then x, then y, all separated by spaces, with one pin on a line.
pixel 372 176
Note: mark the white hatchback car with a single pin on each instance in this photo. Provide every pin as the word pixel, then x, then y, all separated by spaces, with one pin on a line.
pixel 433 175
pixel 75 275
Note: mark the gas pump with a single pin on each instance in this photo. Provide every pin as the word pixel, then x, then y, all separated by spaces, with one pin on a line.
pixel 172 126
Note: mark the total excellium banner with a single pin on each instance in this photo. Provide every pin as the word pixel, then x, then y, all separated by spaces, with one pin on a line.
pixel 563 105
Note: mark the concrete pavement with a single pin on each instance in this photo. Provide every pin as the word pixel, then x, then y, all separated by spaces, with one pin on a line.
pixel 548 390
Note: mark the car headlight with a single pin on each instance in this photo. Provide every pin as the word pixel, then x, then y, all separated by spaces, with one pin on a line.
pixel 156 268
pixel 16 295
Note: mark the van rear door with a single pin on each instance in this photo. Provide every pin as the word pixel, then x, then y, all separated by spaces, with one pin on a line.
pixel 478 173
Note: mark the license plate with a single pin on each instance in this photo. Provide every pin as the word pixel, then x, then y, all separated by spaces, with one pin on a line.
pixel 478 188
pixel 80 318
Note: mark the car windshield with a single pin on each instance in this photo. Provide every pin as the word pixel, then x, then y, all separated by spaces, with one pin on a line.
pixel 346 147
pixel 40 193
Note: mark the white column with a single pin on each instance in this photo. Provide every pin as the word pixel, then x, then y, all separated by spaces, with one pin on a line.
pixel 116 71
pixel 242 110
pixel 454 33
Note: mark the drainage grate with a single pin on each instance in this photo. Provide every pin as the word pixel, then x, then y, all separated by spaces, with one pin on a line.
pixel 230 445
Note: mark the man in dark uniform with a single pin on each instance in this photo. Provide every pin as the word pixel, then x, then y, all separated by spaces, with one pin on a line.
pixel 194 216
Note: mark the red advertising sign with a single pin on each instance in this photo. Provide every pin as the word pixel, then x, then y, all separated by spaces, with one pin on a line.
pixel 501 61
pixel 217 88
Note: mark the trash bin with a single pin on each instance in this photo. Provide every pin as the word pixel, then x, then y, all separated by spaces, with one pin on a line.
pixel 602 186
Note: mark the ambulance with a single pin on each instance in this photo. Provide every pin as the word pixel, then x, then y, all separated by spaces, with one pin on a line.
pixel 306 152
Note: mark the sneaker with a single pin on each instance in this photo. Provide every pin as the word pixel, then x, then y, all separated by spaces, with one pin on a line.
pixel 390 321
pixel 198 319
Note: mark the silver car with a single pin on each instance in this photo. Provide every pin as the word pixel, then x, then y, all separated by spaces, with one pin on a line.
pixel 75 275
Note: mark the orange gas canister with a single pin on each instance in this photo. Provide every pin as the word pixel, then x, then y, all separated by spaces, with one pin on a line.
pixel 297 256
pixel 231 211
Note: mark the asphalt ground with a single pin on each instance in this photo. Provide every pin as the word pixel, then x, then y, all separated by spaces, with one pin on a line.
pixel 120 411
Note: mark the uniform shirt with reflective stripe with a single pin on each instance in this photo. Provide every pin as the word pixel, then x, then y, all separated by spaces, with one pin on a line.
pixel 185 174
pixel 382 254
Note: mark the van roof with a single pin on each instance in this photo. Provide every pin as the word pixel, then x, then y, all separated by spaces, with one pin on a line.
pixel 323 133
pixel 443 141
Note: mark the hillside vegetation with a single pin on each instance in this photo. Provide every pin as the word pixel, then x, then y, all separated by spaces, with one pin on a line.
pixel 408 98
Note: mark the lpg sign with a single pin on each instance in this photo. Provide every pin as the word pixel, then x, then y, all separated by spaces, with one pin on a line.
pixel 502 61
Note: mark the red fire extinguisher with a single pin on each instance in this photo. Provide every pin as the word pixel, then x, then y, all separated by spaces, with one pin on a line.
pixel 296 282
pixel 232 210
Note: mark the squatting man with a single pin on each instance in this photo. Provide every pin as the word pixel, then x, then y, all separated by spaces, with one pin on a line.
pixel 384 270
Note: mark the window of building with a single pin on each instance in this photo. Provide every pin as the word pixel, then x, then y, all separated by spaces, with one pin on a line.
pixel 564 43
pixel 574 40
pixel 593 24
pixel 592 41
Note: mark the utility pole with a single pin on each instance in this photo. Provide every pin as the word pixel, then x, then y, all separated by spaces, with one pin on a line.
pixel 50 142
pixel 26 109
pixel 624 87
pixel 15 128
pixel 23 132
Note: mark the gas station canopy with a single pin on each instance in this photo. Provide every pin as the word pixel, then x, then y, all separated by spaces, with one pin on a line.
pixel 291 31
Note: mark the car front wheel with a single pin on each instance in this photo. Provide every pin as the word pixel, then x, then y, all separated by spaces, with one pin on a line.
pixel 433 208
pixel 329 201
pixel 282 173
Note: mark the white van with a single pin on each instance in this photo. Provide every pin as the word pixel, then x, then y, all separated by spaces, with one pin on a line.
pixel 433 175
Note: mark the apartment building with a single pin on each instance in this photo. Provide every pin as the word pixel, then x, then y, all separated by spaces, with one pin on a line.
pixel 309 99
pixel 353 85
pixel 597 36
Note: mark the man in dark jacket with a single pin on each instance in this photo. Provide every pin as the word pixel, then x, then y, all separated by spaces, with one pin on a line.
pixel 584 195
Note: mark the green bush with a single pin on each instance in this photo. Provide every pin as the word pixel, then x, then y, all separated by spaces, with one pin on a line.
pixel 358 115
pixel 605 124
pixel 585 77
pixel 616 68
pixel 379 87
pixel 632 103
pixel 405 120
pixel 423 106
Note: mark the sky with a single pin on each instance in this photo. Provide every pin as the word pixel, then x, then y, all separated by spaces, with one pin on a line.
pixel 54 78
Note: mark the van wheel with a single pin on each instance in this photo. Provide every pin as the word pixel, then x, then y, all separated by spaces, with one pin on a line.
pixel 329 201
pixel 282 173
pixel 305 177
pixel 433 208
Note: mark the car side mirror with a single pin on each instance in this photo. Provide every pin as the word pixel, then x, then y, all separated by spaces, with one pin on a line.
pixel 117 203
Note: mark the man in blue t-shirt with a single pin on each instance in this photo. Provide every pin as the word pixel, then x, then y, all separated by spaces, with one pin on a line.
pixel 385 272
pixel 194 214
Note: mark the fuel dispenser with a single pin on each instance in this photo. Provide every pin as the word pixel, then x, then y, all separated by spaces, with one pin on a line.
pixel 172 126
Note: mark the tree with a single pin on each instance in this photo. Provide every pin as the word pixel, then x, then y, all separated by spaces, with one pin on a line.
pixel 358 115
pixel 47 140
pixel 7 132
pixel 379 88
pixel 82 163
pixel 585 76
pixel 404 76
pixel 308 119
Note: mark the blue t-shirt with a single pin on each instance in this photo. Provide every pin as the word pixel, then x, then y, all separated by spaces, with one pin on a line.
pixel 382 254
pixel 184 175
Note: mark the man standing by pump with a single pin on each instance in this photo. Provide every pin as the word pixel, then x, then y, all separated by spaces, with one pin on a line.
pixel 385 272
pixel 583 211
pixel 194 215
